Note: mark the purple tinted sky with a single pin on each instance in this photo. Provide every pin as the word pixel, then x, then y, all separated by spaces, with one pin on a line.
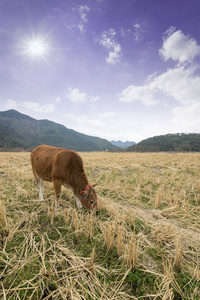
pixel 117 69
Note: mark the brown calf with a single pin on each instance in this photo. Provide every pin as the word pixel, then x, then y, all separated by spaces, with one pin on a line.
pixel 62 167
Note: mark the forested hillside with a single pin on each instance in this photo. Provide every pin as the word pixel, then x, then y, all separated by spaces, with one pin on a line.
pixel 170 142
pixel 21 131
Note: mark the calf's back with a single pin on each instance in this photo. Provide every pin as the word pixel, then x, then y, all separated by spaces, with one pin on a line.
pixel 51 163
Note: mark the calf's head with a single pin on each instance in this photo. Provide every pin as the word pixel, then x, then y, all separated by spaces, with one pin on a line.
pixel 89 197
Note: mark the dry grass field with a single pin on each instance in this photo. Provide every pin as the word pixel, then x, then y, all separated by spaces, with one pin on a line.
pixel 143 244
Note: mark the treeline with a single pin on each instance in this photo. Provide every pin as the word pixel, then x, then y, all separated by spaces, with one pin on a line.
pixel 180 142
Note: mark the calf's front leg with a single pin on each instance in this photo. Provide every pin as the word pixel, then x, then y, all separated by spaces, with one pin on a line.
pixel 78 203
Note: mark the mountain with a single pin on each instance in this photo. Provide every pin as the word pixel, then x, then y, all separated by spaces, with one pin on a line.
pixel 169 142
pixel 21 131
pixel 122 145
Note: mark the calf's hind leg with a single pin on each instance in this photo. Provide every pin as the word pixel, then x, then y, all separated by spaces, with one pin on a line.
pixel 40 184
pixel 57 189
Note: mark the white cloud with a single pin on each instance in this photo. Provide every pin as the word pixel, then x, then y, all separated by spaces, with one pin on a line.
pixel 180 84
pixel 138 93
pixel 35 106
pixel 58 99
pixel 136 31
pixel 81 27
pixel 76 96
pixel 188 116
pixel 11 104
pixel 123 32
pixel 106 115
pixel 179 47
pixel 107 38
pixel 99 123
pixel 109 41
pixel 114 55
pixel 94 99
pixel 82 10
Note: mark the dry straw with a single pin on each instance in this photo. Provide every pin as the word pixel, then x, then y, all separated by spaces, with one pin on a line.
pixel 109 234
pixel 89 225
pixel 40 258
pixel 3 216
pixel 178 253
pixel 120 241
pixel 158 198
pixel 132 252
pixel 76 221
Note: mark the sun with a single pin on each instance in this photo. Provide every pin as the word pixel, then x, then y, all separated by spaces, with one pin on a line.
pixel 36 47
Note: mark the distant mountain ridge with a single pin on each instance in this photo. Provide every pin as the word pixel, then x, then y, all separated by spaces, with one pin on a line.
pixel 123 145
pixel 18 130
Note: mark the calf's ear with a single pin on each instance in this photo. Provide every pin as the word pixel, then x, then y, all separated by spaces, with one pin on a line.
pixel 94 184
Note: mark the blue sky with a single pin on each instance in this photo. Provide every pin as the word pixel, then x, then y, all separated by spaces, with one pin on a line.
pixel 116 69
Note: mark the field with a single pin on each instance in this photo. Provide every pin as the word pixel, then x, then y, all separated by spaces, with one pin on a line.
pixel 143 244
